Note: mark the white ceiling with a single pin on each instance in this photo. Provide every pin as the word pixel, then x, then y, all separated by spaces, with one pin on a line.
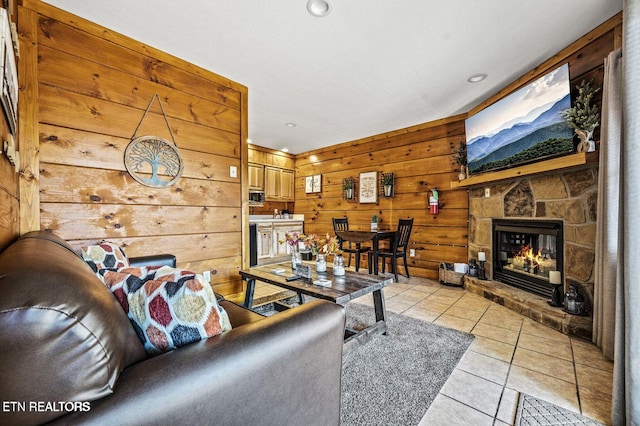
pixel 369 67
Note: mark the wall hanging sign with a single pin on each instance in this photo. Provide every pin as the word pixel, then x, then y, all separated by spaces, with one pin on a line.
pixel 368 186
pixel 152 160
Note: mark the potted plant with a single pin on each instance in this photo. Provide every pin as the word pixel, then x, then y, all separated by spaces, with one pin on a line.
pixel 583 117
pixel 387 184
pixel 347 186
pixel 374 222
pixel 460 157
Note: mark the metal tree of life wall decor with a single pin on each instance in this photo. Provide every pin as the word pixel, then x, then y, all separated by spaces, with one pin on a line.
pixel 151 160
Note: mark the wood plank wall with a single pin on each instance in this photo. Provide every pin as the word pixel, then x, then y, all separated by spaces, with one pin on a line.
pixel 420 158
pixel 93 87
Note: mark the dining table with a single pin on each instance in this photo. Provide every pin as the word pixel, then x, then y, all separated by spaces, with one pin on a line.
pixel 363 236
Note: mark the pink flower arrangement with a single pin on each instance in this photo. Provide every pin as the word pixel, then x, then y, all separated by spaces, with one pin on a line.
pixel 328 245
pixel 293 238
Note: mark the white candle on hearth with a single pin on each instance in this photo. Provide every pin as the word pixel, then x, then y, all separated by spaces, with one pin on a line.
pixel 482 257
pixel 554 277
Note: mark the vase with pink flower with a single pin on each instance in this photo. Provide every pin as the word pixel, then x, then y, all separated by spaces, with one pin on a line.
pixel 331 246
pixel 314 243
pixel 293 240
pixel 323 247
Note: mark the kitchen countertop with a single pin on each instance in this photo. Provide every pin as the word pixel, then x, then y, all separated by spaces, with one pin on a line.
pixel 268 219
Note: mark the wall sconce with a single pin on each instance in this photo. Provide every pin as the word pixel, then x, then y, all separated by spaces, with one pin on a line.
pixel 348 188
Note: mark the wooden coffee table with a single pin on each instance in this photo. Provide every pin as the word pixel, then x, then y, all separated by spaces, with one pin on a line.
pixel 341 290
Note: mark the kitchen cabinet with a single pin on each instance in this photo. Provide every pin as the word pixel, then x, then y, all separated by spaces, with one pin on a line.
pixel 256 156
pixel 279 184
pixel 272 183
pixel 256 176
pixel 287 185
pixel 273 173
pixel 280 161
pixel 280 232
pixel 269 249
pixel 271 158
pixel 265 242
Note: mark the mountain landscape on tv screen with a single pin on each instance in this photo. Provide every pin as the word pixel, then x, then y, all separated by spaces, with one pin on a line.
pixel 545 136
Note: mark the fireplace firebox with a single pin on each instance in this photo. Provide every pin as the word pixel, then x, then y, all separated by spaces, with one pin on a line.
pixel 525 251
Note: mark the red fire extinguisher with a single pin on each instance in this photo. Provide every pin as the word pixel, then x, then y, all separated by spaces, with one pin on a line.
pixel 433 201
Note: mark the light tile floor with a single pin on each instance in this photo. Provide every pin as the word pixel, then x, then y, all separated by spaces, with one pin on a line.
pixel 510 354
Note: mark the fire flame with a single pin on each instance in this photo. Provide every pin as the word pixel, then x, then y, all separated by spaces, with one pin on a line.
pixel 526 253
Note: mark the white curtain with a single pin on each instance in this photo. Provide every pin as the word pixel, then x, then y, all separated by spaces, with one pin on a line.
pixel 626 371
pixel 616 316
pixel 608 263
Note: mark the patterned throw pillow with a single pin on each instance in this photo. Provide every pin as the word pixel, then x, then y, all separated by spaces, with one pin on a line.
pixel 105 255
pixel 168 307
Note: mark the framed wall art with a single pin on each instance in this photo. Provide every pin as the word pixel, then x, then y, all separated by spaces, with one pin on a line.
pixel 308 184
pixel 313 184
pixel 9 93
pixel 368 187
pixel 4 28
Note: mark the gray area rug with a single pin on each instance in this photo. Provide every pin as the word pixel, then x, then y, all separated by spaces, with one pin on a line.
pixel 535 412
pixel 392 379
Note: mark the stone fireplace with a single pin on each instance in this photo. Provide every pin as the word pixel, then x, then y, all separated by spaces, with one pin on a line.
pixel 567 197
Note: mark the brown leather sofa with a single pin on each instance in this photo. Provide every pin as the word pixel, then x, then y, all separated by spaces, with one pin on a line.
pixel 69 355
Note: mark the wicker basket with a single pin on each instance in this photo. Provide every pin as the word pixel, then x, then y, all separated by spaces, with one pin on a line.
pixel 449 276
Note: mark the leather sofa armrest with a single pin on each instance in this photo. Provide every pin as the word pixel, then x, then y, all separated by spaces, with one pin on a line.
pixel 285 369
pixel 153 260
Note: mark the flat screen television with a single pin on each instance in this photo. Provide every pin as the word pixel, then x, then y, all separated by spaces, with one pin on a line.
pixel 524 127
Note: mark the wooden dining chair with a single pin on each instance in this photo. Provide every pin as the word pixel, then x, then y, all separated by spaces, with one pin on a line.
pixel 398 248
pixel 342 224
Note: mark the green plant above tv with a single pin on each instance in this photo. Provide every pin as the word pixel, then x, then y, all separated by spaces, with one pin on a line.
pixel 523 127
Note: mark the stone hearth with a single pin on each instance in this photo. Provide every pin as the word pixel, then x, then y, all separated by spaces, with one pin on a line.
pixel 532 306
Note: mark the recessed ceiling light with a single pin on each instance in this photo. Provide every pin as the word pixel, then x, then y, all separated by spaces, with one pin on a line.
pixel 319 8
pixel 476 78
pixel 285 150
pixel 290 125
